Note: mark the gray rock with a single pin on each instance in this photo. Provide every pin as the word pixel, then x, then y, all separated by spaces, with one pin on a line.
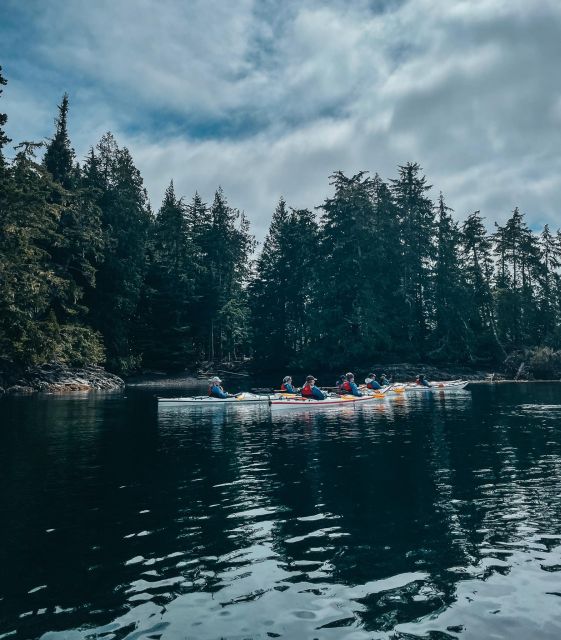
pixel 56 378
pixel 18 388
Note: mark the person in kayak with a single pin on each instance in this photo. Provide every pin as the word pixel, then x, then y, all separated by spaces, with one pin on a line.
pixel 216 391
pixel 310 391
pixel 349 386
pixel 372 383
pixel 287 386
pixel 422 381
pixel 384 380
pixel 340 381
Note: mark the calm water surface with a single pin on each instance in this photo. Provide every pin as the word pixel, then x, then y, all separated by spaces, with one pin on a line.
pixel 432 516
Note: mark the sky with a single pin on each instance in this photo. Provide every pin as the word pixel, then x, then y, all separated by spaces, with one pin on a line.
pixel 268 98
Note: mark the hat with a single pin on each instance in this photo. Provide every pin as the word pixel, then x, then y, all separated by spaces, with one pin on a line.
pixel 216 380
pixel 287 378
pixel 349 375
pixel 310 378
pixel 371 375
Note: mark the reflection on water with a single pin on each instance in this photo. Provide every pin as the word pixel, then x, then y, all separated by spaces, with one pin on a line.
pixel 434 516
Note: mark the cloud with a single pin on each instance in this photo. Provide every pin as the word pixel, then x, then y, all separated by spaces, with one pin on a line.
pixel 270 98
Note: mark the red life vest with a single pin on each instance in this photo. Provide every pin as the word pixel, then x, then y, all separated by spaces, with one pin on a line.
pixel 283 387
pixel 307 391
pixel 346 387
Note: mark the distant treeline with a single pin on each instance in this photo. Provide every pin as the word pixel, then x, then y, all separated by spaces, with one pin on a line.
pixel 88 273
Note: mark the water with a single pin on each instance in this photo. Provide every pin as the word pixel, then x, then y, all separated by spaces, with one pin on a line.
pixel 417 517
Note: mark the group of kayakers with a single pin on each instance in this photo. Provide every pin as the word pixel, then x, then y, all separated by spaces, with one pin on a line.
pixel 345 385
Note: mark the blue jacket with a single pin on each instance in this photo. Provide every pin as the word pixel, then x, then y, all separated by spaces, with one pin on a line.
pixel 287 387
pixel 216 391
pixel 374 384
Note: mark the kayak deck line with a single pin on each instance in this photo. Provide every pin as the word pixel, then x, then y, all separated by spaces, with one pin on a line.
pixel 244 398
pixel 293 403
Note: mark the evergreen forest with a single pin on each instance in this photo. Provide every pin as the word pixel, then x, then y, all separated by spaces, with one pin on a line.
pixel 378 272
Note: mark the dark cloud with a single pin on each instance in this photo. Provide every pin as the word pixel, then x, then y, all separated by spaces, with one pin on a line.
pixel 269 98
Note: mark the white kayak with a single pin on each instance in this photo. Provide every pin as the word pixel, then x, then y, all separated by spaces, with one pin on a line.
pixel 298 402
pixel 207 401
pixel 445 385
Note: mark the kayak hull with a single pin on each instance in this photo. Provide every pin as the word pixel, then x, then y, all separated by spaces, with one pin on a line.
pixel 205 401
pixel 305 403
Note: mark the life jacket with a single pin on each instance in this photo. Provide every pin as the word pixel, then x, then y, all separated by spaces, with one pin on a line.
pixel 346 387
pixel 307 391
pixel 283 387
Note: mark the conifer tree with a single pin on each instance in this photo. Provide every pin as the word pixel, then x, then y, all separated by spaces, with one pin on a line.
pixel 416 220
pixel 450 331
pixel 345 294
pixel 3 119
pixel 224 242
pixel 59 156
pixel 550 259
pixel 77 253
pixel 165 339
pixel 478 270
pixel 517 251
pixel 280 294
pixel 126 217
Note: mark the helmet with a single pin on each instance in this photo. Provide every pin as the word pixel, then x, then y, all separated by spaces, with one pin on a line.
pixel 287 378
pixel 310 378
pixel 215 380
pixel 350 376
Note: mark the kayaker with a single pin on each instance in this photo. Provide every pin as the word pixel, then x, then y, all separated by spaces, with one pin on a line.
pixel 340 381
pixel 215 389
pixel 286 385
pixel 349 386
pixel 372 383
pixel 422 381
pixel 384 380
pixel 309 390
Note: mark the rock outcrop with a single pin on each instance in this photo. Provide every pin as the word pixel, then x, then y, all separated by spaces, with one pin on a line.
pixel 57 378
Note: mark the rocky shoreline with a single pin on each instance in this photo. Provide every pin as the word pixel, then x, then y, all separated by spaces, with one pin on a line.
pixel 57 378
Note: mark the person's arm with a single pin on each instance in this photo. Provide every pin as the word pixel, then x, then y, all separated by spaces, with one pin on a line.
pixel 217 392
pixel 354 390
pixel 318 393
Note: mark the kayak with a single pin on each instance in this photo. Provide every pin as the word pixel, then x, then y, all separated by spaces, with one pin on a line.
pixel 207 401
pixel 445 385
pixel 297 402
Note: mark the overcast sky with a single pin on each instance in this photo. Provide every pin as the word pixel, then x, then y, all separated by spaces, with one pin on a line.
pixel 267 98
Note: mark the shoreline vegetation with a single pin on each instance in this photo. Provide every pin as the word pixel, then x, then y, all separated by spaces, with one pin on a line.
pixel 54 378
pixel 91 277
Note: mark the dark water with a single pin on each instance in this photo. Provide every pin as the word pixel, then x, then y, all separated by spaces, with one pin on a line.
pixel 420 517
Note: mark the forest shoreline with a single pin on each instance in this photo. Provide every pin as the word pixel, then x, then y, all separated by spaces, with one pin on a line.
pixel 60 379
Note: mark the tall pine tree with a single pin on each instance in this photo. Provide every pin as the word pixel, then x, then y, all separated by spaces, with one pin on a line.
pixel 165 333
pixel 416 221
